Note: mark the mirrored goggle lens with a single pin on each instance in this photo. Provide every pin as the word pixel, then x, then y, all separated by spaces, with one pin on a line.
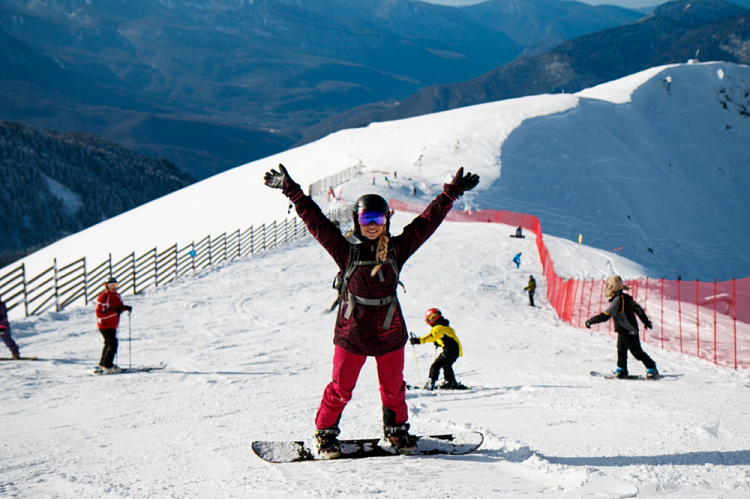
pixel 366 217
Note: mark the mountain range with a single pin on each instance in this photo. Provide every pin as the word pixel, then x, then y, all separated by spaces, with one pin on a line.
pixel 675 32
pixel 210 85
pixel 56 184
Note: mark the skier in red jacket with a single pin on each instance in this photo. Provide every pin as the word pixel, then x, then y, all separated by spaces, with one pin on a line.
pixel 109 306
pixel 369 321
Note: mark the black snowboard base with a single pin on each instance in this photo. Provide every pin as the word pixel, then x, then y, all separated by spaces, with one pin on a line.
pixel 630 376
pixel 438 388
pixel 128 370
pixel 20 358
pixel 291 451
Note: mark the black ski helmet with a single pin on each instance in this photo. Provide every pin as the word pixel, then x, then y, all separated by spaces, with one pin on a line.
pixel 371 202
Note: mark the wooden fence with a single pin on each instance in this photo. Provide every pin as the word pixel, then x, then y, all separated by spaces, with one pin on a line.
pixel 58 287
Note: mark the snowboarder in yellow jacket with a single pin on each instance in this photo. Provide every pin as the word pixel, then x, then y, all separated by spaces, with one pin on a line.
pixel 443 335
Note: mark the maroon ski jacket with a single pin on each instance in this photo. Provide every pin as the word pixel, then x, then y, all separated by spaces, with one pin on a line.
pixel 363 333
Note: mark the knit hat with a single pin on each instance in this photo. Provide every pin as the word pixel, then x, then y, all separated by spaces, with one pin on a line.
pixel 614 284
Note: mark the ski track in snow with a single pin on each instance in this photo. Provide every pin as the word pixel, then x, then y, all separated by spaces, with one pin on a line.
pixel 247 360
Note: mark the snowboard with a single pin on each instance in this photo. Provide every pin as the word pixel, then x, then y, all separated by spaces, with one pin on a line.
pixel 22 358
pixel 459 388
pixel 128 370
pixel 291 451
pixel 630 376
pixel 519 237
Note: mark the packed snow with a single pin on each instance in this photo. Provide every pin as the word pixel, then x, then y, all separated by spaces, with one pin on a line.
pixel 248 349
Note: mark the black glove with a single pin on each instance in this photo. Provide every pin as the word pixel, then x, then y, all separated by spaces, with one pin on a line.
pixel 461 183
pixel 128 308
pixel 648 324
pixel 414 340
pixel 281 180
pixel 274 179
pixel 588 324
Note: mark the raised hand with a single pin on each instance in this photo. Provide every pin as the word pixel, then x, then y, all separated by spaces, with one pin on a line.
pixel 275 179
pixel 461 183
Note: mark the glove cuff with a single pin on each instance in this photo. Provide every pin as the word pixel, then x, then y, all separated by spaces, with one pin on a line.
pixel 291 189
pixel 452 191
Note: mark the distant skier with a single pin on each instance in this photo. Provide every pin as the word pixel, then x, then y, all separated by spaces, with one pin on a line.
pixel 624 309
pixel 531 288
pixel 109 306
pixel 369 320
pixel 5 332
pixel 517 260
pixel 443 335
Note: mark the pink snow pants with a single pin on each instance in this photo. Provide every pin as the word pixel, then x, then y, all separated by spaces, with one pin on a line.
pixel 346 368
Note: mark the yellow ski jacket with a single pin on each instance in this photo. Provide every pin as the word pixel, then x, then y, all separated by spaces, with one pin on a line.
pixel 442 335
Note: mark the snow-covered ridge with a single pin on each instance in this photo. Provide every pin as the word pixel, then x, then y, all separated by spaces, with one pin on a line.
pixel 665 172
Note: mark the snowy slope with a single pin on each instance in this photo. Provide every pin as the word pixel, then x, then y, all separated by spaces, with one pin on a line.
pixel 249 361
pixel 677 165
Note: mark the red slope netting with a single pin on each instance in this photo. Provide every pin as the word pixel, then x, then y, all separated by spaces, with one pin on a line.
pixel 708 319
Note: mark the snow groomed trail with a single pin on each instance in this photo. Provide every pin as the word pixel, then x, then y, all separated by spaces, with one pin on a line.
pixel 248 352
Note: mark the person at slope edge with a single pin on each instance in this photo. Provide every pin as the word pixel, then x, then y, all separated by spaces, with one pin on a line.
pixel 5 332
pixel 531 288
pixel 369 321
pixel 624 309
pixel 109 306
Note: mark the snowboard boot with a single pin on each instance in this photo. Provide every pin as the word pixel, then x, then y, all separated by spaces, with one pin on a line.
pixel 400 438
pixel 328 442
pixel 620 373
pixel 16 356
pixel 453 385
pixel 430 385
pixel 652 373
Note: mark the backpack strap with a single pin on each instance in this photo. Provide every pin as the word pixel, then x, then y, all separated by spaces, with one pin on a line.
pixel 353 300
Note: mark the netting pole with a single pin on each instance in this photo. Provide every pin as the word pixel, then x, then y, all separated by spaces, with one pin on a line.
pixel 715 345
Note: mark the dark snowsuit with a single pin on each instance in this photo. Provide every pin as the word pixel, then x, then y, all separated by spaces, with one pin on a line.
pixel 624 310
pixel 360 331
pixel 5 330
pixel 531 288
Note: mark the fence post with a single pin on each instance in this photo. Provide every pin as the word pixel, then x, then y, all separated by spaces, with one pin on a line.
pixel 734 320
pixel 85 283
pixel 252 240
pixel 209 251
pixel 645 309
pixel 679 310
pixel 662 312
pixel 697 323
pixel 132 255
pixel 57 294
pixel 25 296
pixel 156 268
pixel 239 244
pixel 715 345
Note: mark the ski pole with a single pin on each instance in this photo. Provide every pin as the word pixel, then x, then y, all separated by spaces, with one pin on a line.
pixel 129 334
pixel 416 364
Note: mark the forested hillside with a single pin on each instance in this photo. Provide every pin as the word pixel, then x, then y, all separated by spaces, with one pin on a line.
pixel 55 184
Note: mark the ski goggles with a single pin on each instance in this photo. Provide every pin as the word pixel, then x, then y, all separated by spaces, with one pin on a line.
pixel 366 217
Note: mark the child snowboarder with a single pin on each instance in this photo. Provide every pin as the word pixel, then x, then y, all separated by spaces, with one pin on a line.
pixel 624 310
pixel 443 335
pixel 109 306
pixel 5 332
pixel 369 321
pixel 531 288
